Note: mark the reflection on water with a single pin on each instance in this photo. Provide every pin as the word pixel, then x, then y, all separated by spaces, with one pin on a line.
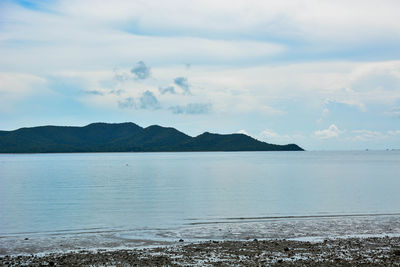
pixel 46 193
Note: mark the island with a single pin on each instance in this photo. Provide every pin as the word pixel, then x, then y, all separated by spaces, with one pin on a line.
pixel 126 137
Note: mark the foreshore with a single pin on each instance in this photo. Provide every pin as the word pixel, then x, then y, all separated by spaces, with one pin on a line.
pixel 372 251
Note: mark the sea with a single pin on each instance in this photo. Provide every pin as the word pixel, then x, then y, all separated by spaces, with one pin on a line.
pixel 62 202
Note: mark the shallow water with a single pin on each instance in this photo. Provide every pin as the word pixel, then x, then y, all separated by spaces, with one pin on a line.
pixel 167 196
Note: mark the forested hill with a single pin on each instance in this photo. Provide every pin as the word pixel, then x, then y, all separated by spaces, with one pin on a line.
pixel 125 137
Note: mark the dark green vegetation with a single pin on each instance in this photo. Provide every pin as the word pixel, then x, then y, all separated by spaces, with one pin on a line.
pixel 125 137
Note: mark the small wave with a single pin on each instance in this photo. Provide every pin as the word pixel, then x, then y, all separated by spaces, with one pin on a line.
pixel 59 232
pixel 263 218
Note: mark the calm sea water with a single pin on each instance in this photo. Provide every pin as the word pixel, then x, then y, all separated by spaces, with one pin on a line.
pixel 165 196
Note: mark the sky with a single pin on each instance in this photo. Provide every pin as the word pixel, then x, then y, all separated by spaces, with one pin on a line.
pixel 322 74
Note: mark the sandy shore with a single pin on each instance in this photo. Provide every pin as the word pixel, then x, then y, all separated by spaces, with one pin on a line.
pixel 338 252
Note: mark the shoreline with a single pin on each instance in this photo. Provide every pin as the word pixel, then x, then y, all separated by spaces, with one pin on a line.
pixel 376 251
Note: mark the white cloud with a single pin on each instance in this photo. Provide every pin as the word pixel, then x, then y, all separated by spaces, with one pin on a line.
pixel 84 41
pixel 359 135
pixel 365 135
pixel 268 134
pixel 242 90
pixel 327 21
pixel 372 135
pixel 17 86
pixel 332 132
pixel 394 132
pixel 352 102
pixel 271 136
pixel 18 83
pixel 204 32
pixel 243 132
pixel 394 112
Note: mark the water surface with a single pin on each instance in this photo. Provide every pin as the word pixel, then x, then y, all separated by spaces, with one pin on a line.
pixel 198 195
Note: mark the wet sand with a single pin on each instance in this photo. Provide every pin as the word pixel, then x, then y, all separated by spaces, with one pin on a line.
pixel 374 251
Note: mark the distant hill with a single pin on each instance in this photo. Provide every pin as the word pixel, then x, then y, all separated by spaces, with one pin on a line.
pixel 125 137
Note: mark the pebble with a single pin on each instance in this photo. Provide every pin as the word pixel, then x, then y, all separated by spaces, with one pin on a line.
pixel 357 252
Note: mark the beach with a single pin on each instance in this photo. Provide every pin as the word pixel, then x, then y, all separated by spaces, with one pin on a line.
pixel 371 251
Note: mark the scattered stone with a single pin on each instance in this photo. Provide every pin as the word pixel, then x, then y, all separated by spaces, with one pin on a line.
pixel 346 252
pixel 181 240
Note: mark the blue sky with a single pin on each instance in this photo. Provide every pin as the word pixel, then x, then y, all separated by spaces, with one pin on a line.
pixel 322 74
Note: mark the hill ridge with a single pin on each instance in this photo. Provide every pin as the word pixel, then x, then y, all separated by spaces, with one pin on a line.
pixel 125 137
